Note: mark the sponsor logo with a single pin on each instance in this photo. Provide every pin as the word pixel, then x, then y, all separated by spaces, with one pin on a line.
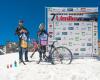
pixel 70 24
pixel 82 23
pixel 77 33
pixel 71 39
pixel 61 23
pixel 77 38
pixel 76 49
pixel 57 28
pixel 95 31
pixel 89 48
pixel 83 44
pixel 76 24
pixel 50 25
pixel 95 27
pixel 88 24
pixel 95 34
pixel 73 16
pixel 88 33
pixel 58 38
pixel 64 28
pixel 89 28
pixel 66 18
pixel 49 8
pixel 77 28
pixel 83 33
pixel 64 38
pixel 89 44
pixel 89 39
pixel 70 28
pixel 83 28
pixel 63 10
pixel 57 23
pixel 76 9
pixel 83 49
pixel 76 44
pixel 64 33
pixel 69 9
pixel 70 43
pixel 83 39
pixel 70 33
pixel 89 9
pixel 76 53
pixel 83 9
pixel 58 33
pixel 64 43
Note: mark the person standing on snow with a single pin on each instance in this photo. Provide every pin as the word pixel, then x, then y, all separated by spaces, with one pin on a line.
pixel 23 34
pixel 42 37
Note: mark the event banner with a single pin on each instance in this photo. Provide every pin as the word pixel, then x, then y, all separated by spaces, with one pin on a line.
pixel 75 28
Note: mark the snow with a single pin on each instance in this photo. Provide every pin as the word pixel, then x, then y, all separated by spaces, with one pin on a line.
pixel 79 69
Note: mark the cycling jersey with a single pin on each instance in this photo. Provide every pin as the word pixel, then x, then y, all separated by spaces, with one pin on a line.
pixel 43 37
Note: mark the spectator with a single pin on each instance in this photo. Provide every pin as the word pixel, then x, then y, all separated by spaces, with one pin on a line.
pixel 23 34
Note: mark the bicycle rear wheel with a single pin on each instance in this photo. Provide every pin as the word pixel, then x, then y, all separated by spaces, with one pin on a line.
pixel 62 55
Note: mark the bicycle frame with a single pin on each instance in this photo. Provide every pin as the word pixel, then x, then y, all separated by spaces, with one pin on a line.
pixel 59 57
pixel 52 48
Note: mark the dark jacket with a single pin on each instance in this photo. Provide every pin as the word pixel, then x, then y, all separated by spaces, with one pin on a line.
pixel 19 29
pixel 18 33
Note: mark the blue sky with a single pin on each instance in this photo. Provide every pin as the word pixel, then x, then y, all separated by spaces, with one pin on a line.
pixel 33 13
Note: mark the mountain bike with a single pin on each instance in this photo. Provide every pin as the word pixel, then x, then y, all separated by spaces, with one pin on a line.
pixel 59 54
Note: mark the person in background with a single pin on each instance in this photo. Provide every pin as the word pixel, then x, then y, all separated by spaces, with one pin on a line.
pixel 42 37
pixel 23 34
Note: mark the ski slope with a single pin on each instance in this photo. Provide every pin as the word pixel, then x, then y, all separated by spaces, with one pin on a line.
pixel 80 69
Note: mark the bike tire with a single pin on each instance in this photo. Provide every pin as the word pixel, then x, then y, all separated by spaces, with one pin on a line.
pixel 64 56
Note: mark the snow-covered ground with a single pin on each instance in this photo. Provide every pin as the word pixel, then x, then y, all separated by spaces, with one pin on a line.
pixel 80 69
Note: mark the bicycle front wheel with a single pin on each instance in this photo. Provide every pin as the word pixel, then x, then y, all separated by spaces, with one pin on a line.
pixel 62 55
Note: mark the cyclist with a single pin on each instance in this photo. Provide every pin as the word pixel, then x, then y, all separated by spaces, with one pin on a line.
pixel 42 37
